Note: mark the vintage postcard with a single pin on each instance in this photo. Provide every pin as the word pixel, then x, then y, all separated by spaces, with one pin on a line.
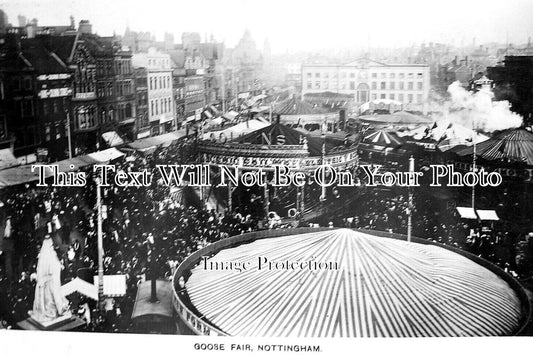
pixel 265 176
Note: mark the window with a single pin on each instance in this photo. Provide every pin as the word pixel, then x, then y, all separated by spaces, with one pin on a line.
pixel 410 85
pixel 325 85
pixel 27 107
pixel 391 96
pixel 45 108
pixel 419 98
pixel 383 75
pixel 85 116
pixel 352 75
pixel 111 113
pixel 410 98
pixel 27 83
pixel 402 75
pixel 56 107
pixel 2 93
pixel 3 128
pixel 410 75
pixel 419 85
pixel 401 85
pixel 392 75
pixel 352 85
pixel 419 75
pixel 317 84
pixel 309 85
pixel 374 85
pixel 309 75
pixel 151 107
pixel 400 97
pixel 317 75
pixel 374 75
pixel 57 130
pixel 151 83
pixel 17 83
pixel 383 85
pixel 128 110
pixel 326 75
pixel 374 96
pixel 383 96
pixel 47 136
pixel 392 85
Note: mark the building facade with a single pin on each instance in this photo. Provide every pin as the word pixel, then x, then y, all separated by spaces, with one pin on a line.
pixel 35 93
pixel 115 90
pixel 194 94
pixel 159 80
pixel 369 80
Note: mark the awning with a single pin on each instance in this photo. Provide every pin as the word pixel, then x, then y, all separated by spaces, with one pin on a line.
pixel 467 212
pixel 81 286
pixel 230 115
pixel 143 306
pixel 112 138
pixel 107 155
pixel 214 109
pixel 164 139
pixel 7 159
pixel 216 121
pixel 23 174
pixel 487 215
pixel 114 285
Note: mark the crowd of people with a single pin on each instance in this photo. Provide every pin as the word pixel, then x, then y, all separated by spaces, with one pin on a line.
pixel 139 224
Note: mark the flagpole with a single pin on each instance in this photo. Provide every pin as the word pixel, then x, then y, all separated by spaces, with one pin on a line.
pixel 474 167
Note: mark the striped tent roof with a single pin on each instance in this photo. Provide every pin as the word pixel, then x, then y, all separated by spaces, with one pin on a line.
pixel 297 107
pixel 383 138
pixel 515 145
pixel 383 287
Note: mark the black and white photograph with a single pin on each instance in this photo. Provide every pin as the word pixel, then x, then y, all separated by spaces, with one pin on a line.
pixel 241 176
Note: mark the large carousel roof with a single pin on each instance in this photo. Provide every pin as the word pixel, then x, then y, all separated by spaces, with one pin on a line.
pixel 515 145
pixel 383 287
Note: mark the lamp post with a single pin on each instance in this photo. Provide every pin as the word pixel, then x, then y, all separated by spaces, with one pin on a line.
pixel 100 245
pixel 323 194
pixel 410 201
pixel 68 129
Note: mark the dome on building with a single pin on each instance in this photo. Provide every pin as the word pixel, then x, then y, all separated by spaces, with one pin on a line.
pixel 382 287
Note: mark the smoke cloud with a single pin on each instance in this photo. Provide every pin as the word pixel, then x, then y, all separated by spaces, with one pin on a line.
pixel 479 111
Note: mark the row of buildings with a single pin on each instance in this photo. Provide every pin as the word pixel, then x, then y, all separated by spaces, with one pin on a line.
pixel 65 91
pixel 367 80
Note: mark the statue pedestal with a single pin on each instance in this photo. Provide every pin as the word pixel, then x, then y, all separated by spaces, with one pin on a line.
pixel 63 323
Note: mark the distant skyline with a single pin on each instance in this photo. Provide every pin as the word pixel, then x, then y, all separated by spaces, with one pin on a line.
pixel 297 25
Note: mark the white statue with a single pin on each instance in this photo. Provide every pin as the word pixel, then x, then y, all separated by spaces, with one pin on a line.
pixel 49 303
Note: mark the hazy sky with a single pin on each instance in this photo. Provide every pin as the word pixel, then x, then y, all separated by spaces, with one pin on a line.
pixel 297 25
